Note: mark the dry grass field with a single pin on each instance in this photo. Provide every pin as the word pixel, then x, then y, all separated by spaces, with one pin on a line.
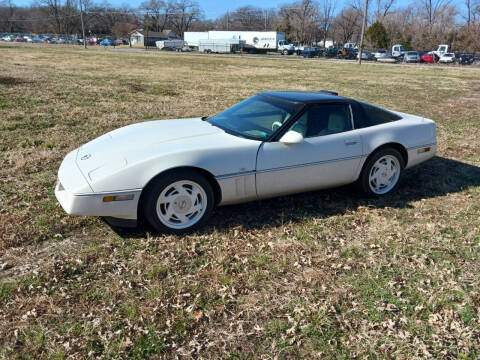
pixel 325 275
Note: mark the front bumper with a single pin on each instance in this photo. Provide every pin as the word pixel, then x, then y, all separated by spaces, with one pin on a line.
pixel 94 204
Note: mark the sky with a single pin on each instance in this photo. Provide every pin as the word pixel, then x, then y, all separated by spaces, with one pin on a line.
pixel 215 8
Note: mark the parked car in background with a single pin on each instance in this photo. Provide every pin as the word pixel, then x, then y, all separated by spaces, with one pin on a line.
pixel 447 58
pixel 37 40
pixel 388 59
pixel 107 42
pixel 8 38
pixel 310 52
pixel 19 39
pixel 347 53
pixel 428 58
pixel 117 42
pixel 330 52
pixel 272 144
pixel 411 57
pixel 92 41
pixel 366 55
pixel 380 53
pixel 466 59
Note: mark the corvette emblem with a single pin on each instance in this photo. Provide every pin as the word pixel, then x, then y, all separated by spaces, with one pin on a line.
pixel 85 157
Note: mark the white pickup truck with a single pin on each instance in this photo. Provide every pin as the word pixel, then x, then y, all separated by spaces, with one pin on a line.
pixel 441 50
pixel 398 51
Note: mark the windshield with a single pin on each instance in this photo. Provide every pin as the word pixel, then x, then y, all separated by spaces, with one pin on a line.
pixel 411 53
pixel 255 118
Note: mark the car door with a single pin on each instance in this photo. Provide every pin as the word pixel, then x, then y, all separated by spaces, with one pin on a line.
pixel 328 156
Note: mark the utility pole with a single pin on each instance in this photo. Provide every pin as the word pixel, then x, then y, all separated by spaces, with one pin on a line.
pixel 265 11
pixel 364 25
pixel 83 25
pixel 228 20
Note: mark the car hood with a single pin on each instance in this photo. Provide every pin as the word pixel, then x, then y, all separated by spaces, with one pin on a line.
pixel 116 149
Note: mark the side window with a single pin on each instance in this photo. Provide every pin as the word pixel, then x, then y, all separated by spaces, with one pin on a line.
pixel 327 119
pixel 369 115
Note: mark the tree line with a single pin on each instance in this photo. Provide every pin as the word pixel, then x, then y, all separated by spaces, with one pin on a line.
pixel 423 24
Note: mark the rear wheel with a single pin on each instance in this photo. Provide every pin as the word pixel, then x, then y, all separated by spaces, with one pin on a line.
pixel 381 172
pixel 179 202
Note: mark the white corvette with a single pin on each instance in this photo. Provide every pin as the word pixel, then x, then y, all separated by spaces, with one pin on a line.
pixel 173 172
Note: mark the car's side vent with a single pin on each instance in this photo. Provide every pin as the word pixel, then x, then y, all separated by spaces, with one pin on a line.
pixel 329 92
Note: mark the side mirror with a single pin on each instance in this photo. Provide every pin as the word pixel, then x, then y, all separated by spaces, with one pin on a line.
pixel 291 137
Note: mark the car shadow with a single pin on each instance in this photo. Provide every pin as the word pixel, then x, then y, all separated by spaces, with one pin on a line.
pixel 436 177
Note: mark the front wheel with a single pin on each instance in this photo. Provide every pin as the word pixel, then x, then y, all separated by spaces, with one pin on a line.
pixel 179 202
pixel 381 172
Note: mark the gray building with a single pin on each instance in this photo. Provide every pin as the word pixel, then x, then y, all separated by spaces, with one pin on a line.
pixel 142 37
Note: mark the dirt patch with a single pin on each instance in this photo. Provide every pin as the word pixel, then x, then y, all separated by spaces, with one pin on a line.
pixel 12 81
pixel 136 87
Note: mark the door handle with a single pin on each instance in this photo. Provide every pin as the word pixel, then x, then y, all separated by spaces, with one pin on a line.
pixel 351 142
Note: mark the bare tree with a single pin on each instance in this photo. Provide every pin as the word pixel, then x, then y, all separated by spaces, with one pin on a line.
pixel 473 11
pixel 347 25
pixel 54 10
pixel 382 8
pixel 246 18
pixel 301 19
pixel 122 29
pixel 159 11
pixel 184 13
pixel 327 10
pixel 433 8
pixel 8 14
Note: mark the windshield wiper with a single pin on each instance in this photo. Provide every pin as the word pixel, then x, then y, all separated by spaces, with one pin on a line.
pixel 206 117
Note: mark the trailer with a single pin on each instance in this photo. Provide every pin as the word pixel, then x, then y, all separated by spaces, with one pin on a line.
pixel 255 41
pixel 169 44
pixel 192 38
pixel 220 45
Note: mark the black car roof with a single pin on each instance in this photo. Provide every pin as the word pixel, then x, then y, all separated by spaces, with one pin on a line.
pixel 306 97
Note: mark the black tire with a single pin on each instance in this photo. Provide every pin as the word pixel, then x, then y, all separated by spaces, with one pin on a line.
pixel 363 182
pixel 155 189
pixel 285 52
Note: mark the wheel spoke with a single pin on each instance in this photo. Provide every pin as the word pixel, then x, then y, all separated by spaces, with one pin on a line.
pixel 181 190
pixel 380 180
pixel 169 212
pixel 194 194
pixel 167 199
pixel 182 218
pixel 388 163
pixel 195 209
